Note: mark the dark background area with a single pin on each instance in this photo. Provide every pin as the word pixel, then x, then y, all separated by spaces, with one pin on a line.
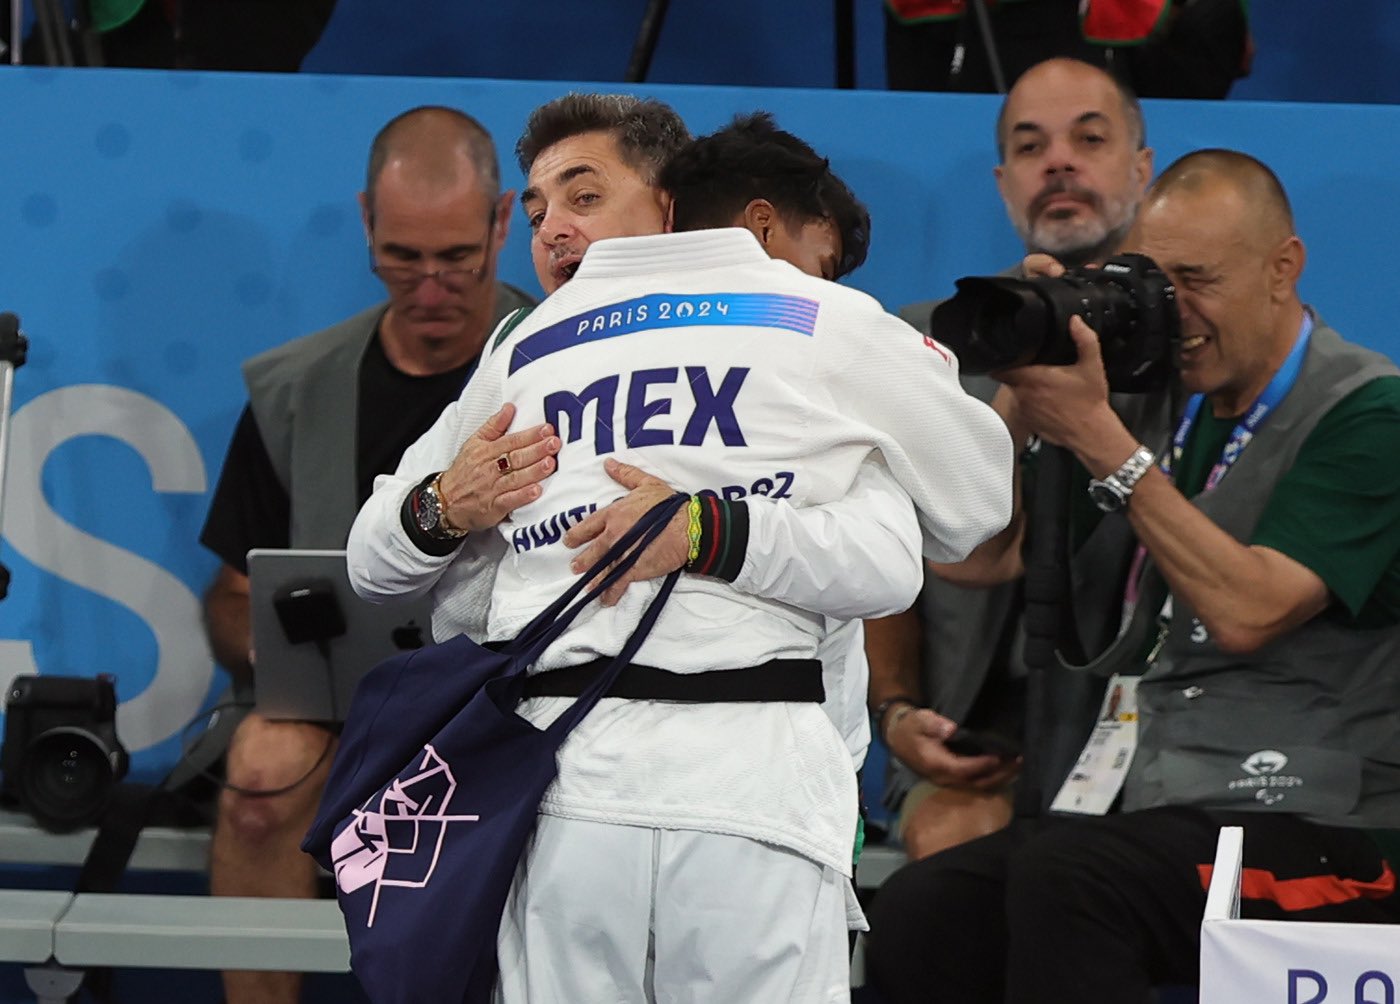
pixel 1305 50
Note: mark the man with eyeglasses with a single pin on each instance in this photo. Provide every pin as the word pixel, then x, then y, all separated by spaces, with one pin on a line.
pixel 326 414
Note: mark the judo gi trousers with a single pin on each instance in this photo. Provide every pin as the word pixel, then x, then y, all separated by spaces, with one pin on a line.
pixel 603 913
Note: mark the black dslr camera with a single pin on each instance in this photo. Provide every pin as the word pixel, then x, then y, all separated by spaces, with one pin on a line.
pixel 61 756
pixel 999 323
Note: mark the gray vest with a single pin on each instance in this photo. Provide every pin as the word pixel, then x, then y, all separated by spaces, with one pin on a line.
pixel 1310 723
pixel 303 396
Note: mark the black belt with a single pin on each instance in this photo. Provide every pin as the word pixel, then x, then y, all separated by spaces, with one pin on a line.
pixel 777 680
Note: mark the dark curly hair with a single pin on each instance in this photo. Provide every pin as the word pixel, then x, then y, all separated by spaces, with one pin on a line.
pixel 713 178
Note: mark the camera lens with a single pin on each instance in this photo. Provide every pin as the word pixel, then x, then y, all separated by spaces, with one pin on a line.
pixel 1000 322
pixel 66 778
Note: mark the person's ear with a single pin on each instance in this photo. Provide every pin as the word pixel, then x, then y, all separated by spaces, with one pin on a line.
pixel 668 209
pixel 1286 267
pixel 366 220
pixel 760 217
pixel 1142 168
pixel 503 207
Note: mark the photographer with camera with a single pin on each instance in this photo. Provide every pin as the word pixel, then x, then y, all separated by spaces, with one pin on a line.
pixel 1254 680
pixel 1073 166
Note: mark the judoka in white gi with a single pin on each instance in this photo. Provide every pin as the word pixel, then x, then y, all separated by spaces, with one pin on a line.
pixel 688 851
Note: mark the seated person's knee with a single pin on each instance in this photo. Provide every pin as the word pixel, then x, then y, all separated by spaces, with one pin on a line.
pixel 275 774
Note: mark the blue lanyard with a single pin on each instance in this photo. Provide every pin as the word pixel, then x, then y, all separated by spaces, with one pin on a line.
pixel 1273 394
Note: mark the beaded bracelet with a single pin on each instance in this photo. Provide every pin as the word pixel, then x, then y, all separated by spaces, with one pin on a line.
pixel 693 529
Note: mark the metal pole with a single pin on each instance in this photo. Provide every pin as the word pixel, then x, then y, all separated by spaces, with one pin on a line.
pixel 845 44
pixel 16 26
pixel 87 41
pixel 645 46
pixel 984 24
pixel 44 26
pixel 13 349
pixel 61 22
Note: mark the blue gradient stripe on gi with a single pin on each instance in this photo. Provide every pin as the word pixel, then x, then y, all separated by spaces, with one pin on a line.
pixel 665 310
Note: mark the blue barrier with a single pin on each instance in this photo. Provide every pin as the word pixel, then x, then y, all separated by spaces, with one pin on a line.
pixel 159 228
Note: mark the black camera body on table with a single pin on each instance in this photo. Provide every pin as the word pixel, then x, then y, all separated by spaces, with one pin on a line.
pixel 999 323
pixel 61 756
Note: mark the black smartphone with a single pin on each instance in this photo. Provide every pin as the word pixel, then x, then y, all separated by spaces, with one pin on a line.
pixel 970 742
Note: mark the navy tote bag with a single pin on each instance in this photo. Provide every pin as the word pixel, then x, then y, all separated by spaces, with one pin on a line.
pixel 435 789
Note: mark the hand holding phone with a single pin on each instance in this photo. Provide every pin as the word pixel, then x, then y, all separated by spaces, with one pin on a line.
pixel 971 742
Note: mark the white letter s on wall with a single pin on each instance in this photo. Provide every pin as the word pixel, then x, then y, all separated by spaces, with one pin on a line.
pixel 185 667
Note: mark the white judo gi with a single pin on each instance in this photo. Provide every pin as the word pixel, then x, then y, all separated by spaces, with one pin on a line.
pixel 701 360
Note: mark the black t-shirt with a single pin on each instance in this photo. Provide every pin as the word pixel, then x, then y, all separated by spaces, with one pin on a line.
pixel 251 507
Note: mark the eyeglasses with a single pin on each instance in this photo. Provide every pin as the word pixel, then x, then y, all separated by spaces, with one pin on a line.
pixel 405 279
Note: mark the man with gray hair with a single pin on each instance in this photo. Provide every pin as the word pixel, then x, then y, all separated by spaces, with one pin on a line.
pixel 592 162
pixel 1072 166
pixel 1073 160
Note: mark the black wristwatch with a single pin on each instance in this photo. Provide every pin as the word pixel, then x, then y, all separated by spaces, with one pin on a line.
pixel 429 512
pixel 1112 493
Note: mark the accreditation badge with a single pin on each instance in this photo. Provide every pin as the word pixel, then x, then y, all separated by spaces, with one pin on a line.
pixel 1102 767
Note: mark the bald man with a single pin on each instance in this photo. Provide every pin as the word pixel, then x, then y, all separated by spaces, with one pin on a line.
pixel 1271 581
pixel 345 402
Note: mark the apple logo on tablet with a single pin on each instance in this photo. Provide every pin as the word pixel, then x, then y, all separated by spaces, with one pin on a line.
pixel 407 636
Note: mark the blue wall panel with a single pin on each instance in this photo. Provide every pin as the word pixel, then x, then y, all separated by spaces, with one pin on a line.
pixel 159 228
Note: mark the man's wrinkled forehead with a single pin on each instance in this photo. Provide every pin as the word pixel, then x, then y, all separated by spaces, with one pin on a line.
pixel 535 190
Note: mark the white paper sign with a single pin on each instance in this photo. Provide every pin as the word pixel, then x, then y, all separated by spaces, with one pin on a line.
pixel 1289 962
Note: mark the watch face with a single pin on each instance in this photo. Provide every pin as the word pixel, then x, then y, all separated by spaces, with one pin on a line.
pixel 429 512
pixel 1105 497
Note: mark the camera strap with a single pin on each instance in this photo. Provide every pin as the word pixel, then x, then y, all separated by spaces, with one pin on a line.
pixel 1269 399
pixel 131 807
pixel 128 811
